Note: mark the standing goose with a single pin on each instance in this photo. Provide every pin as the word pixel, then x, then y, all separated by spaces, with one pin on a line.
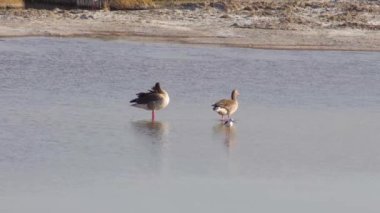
pixel 227 106
pixel 154 99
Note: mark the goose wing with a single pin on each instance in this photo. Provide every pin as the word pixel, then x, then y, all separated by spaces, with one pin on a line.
pixel 224 103
pixel 146 98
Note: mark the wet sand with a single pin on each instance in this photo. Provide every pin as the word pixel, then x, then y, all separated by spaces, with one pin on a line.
pixel 319 25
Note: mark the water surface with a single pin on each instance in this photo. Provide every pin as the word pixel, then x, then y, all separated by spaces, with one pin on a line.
pixel 306 137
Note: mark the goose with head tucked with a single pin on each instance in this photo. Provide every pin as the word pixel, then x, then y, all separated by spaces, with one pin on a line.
pixel 153 100
pixel 227 106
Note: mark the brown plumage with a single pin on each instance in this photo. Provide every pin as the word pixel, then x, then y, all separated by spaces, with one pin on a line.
pixel 227 106
pixel 154 99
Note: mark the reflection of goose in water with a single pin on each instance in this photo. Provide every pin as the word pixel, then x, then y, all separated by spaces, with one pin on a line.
pixel 156 130
pixel 229 134
pixel 150 142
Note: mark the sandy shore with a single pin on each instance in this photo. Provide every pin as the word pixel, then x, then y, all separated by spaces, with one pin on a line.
pixel 318 25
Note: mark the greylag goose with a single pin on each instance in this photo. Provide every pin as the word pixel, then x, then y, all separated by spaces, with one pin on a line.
pixel 227 106
pixel 154 99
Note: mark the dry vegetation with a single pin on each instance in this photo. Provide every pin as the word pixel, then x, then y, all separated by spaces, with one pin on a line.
pixel 299 14
pixel 312 13
pixel 283 14
pixel 11 3
pixel 279 14
pixel 129 4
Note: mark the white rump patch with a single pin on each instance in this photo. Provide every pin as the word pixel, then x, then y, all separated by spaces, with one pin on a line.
pixel 220 110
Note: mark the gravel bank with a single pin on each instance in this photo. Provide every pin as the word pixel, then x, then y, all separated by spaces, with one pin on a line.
pixel 257 24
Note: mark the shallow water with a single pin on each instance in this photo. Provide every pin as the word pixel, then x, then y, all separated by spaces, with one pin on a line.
pixel 305 140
